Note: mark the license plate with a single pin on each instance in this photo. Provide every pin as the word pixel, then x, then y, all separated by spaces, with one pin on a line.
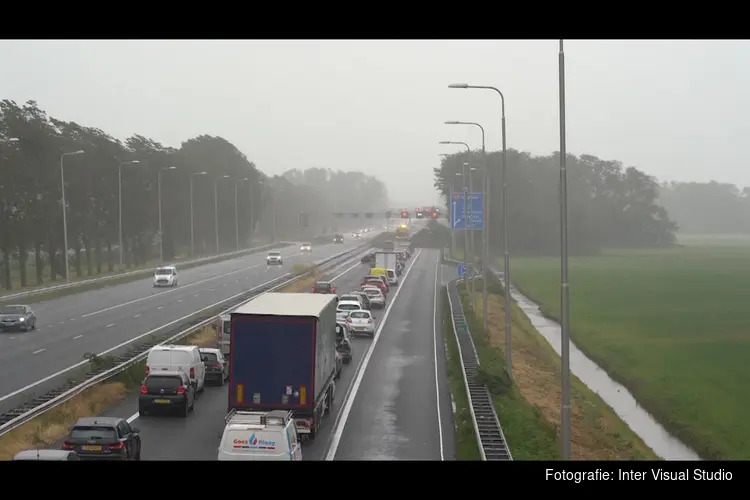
pixel 161 401
pixel 92 448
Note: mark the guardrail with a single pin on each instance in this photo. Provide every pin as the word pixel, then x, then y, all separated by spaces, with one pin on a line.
pixel 144 272
pixel 39 405
pixel 487 428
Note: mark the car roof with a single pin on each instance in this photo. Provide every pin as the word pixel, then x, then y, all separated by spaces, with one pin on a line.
pixel 343 302
pixel 43 455
pixel 209 349
pixel 173 347
pixel 286 304
pixel 307 244
pixel 167 267
pixel 326 283
pixel 13 305
pixel 98 422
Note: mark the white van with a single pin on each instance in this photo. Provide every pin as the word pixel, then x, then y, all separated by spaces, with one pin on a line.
pixel 185 358
pixel 391 277
pixel 255 436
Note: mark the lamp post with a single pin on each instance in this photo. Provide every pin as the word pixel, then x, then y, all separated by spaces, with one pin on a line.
pixel 451 188
pixel 237 215
pixel 565 430
pixel 216 209
pixel 466 210
pixel 485 221
pixel 64 211
pixel 158 191
pixel 192 220
pixel 506 253
pixel 119 197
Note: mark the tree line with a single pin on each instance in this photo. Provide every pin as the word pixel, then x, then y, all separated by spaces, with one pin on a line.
pixel 37 150
pixel 707 207
pixel 609 205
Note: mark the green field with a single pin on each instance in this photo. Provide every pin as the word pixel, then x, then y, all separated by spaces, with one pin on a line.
pixel 671 325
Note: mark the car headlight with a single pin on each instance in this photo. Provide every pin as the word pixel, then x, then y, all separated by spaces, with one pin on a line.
pixel 22 320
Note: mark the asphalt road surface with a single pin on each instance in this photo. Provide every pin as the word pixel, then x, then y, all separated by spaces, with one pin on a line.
pixel 393 411
pixel 97 320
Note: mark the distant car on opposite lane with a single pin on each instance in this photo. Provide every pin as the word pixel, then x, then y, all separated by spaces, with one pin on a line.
pixel 17 317
pixel 305 248
pixel 274 258
pixel 166 276
pixel 338 238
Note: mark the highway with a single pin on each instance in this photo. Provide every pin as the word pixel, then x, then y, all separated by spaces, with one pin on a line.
pixel 98 320
pixel 392 401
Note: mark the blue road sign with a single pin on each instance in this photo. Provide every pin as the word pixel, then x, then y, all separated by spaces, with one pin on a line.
pixel 461 270
pixel 458 221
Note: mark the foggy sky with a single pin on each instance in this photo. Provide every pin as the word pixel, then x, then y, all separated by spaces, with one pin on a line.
pixel 675 109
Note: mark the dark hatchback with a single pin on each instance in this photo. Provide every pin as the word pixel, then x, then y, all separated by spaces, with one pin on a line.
pixel 17 318
pixel 217 367
pixel 104 438
pixel 323 287
pixel 338 239
pixel 166 391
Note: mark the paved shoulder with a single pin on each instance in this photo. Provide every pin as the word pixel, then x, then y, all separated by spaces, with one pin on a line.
pixel 398 411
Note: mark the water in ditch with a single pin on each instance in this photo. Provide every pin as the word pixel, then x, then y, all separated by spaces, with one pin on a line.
pixel 614 394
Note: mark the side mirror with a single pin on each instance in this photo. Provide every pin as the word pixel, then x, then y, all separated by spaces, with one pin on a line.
pixel 136 430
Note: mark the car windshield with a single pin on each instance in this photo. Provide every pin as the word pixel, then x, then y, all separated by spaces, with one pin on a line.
pixel 360 315
pixel 274 254
pixel 372 293
pixel 348 307
pixel 12 310
pixel 306 245
pixel 159 382
pixel 91 433
pixel 164 270
pixel 210 356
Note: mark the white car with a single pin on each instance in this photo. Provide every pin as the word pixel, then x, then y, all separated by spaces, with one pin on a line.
pixel 306 247
pixel 345 307
pixel 361 322
pixel 166 276
pixel 274 259
pixel 376 297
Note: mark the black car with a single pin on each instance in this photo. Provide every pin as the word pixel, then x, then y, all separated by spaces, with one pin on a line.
pixel 368 259
pixel 104 438
pixel 17 318
pixel 167 391
pixel 217 366
pixel 338 238
pixel 343 343
pixel 323 287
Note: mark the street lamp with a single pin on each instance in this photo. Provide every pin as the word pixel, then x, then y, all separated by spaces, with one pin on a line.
pixel 158 190
pixel 119 196
pixel 451 188
pixel 237 214
pixel 192 220
pixel 485 222
pixel 565 410
pixel 216 209
pixel 466 210
pixel 64 210
pixel 506 254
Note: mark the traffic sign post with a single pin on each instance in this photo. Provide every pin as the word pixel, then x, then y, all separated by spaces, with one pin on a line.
pixel 461 269
pixel 458 221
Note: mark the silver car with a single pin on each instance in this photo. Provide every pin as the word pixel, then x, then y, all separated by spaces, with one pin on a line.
pixel 274 259
pixel 377 299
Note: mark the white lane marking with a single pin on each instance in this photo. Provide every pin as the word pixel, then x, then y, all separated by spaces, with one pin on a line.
pixel 159 307
pixel 128 342
pixel 110 325
pixel 435 352
pixel 181 287
pixel 338 431
pixel 211 290
pixel 40 350
pixel 62 322
pixel 179 300
pixel 12 338
pixel 346 271
pixel 196 295
pixel 72 319
pixel 133 417
pixel 77 337
pixel 137 315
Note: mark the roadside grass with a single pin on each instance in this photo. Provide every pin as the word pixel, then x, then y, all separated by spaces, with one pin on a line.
pixel 51 427
pixel 53 294
pixel 672 325
pixel 463 428
pixel 529 408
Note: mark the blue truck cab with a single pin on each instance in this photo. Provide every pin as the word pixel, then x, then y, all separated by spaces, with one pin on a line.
pixel 283 357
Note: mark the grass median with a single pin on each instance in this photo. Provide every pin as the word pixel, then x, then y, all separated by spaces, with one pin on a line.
pixel 529 408
pixel 114 279
pixel 671 325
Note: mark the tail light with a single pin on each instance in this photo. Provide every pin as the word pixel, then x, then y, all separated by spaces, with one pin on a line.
pixel 216 365
pixel 117 446
pixel 147 370
pixel 192 373
pixel 333 290
pixel 67 446
pixel 144 389
pixel 181 390
pixel 313 289
pixel 349 321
